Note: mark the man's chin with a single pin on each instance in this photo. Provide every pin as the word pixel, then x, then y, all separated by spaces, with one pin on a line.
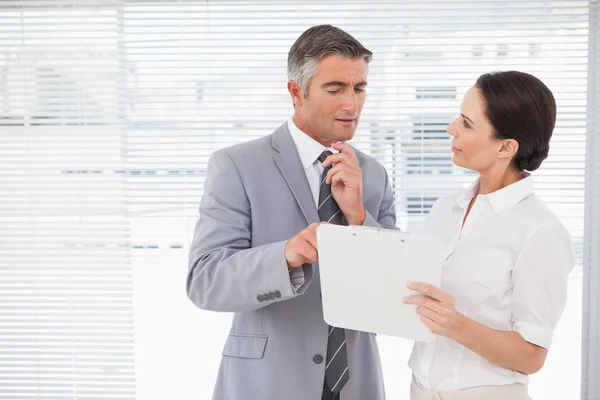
pixel 343 134
pixel 346 136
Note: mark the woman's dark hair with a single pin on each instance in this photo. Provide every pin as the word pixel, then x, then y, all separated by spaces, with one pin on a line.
pixel 519 106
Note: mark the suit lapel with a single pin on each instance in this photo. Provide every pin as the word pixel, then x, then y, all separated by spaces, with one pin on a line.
pixel 290 166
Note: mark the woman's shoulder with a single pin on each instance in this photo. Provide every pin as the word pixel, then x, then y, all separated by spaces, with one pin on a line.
pixel 534 213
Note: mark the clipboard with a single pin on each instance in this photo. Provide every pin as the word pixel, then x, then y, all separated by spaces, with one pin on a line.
pixel 364 272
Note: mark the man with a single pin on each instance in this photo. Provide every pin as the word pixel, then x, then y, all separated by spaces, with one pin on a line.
pixel 254 250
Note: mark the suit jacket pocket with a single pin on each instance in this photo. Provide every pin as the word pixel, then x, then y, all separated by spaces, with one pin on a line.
pixel 245 346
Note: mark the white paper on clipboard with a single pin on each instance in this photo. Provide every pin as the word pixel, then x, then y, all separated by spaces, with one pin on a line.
pixel 364 272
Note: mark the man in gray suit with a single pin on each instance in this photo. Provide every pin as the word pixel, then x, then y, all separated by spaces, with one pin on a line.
pixel 254 250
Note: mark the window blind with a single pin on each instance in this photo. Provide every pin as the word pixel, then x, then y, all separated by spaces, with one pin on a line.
pixel 66 316
pixel 204 75
pixel 110 109
pixel 590 384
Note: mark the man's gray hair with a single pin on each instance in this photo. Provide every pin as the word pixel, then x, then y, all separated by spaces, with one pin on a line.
pixel 317 43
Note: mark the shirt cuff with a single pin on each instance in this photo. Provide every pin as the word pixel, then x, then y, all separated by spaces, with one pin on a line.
pixel 370 221
pixel 296 277
pixel 535 334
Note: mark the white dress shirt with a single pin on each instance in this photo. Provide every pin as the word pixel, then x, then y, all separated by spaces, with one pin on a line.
pixel 309 151
pixel 507 268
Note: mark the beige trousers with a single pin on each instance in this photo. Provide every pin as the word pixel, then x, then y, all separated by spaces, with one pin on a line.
pixel 515 391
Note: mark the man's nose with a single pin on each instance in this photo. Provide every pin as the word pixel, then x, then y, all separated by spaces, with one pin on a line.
pixel 350 103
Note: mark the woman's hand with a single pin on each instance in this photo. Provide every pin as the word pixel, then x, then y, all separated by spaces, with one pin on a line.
pixel 505 348
pixel 436 309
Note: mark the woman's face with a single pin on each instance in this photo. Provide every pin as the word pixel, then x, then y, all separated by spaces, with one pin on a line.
pixel 473 144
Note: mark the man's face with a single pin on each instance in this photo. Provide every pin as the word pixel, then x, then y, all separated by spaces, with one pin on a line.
pixel 336 96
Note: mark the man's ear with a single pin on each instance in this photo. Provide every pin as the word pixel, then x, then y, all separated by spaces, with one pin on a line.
pixel 296 93
pixel 509 148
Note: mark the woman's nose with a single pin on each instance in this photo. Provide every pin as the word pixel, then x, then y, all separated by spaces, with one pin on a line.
pixel 450 129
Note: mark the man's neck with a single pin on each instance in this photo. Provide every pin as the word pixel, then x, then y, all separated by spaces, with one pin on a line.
pixel 308 131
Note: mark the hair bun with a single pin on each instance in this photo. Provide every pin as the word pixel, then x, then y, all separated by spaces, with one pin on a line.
pixel 533 161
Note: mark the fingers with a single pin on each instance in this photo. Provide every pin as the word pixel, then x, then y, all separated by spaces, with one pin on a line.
pixel 431 291
pixel 429 323
pixel 308 243
pixel 302 248
pixel 349 179
pixel 309 252
pixel 429 314
pixel 310 235
pixel 345 149
pixel 428 303
pixel 439 317
pixel 305 248
pixel 344 173
pixel 337 159
pixel 313 227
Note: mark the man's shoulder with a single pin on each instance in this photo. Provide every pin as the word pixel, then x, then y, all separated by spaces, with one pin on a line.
pixel 251 149
pixel 368 163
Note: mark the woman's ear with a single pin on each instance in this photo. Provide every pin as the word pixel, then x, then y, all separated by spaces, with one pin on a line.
pixel 509 149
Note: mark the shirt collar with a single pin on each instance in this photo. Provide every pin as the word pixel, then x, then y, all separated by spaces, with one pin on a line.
pixel 308 148
pixel 500 200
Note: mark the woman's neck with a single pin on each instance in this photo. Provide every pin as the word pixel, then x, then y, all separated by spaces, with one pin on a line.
pixel 491 181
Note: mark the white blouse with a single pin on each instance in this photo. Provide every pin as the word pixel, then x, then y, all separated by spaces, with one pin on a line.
pixel 507 268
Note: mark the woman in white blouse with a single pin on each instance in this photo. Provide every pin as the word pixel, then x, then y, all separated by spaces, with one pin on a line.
pixel 508 257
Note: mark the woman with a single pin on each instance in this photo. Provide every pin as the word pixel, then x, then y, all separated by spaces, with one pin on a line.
pixel 508 257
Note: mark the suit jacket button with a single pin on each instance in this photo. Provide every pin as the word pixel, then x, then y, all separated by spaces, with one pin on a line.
pixel 272 296
pixel 318 359
pixel 260 297
pixel 277 294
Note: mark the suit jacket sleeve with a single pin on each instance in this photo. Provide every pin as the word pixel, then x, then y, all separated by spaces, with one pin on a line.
pixel 387 210
pixel 224 272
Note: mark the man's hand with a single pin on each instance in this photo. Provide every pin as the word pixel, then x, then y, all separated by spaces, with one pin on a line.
pixel 302 248
pixel 345 177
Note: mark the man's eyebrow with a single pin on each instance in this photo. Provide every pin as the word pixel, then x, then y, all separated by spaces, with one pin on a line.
pixel 334 83
pixel 342 84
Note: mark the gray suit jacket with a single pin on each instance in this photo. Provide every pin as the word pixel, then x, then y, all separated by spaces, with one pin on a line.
pixel 256 197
